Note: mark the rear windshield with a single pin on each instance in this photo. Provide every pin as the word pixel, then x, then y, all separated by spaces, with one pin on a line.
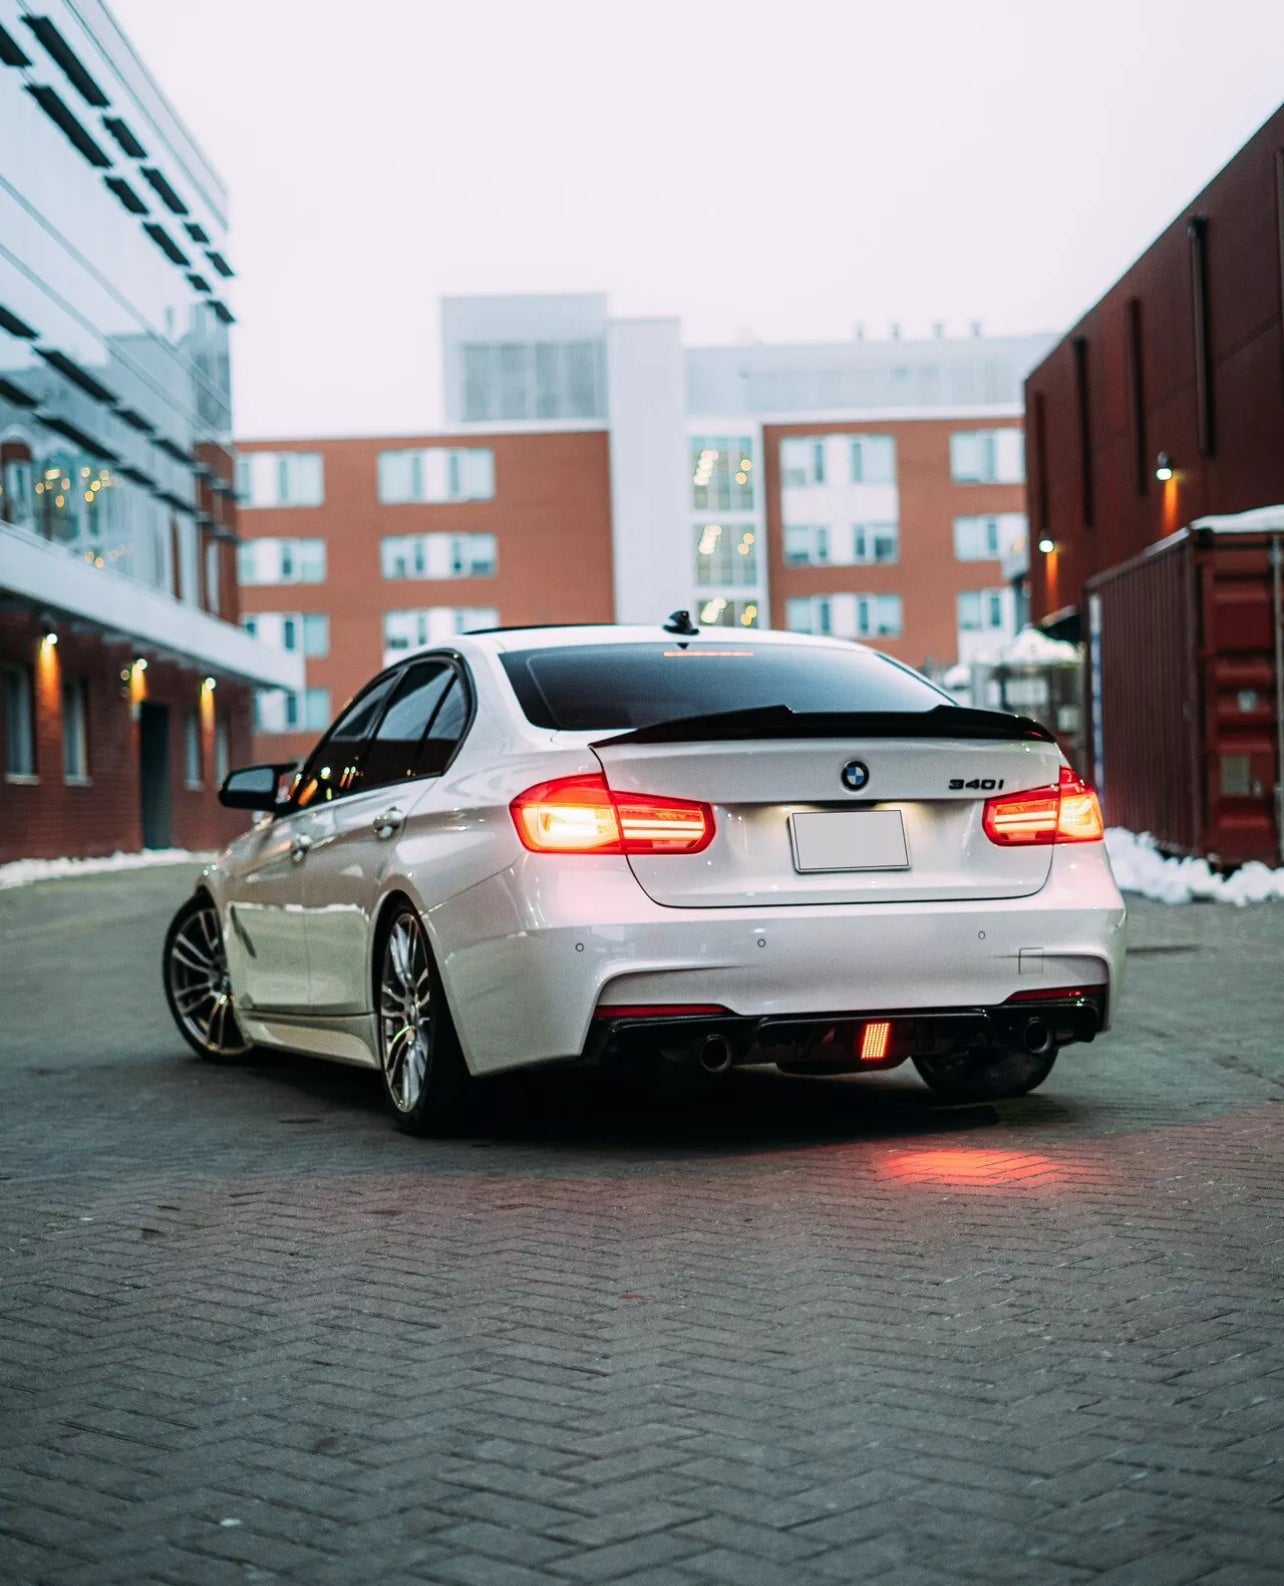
pixel 598 687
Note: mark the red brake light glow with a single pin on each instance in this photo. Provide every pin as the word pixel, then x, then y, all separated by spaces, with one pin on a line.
pixel 582 815
pixel 1067 813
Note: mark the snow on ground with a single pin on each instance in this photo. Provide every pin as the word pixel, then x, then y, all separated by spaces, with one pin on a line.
pixel 1140 867
pixel 22 872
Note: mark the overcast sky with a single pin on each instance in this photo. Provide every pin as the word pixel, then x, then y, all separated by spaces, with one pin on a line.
pixel 776 169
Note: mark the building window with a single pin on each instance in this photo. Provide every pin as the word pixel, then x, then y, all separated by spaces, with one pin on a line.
pixel 16 479
pixel 436 474
pixel 222 753
pixel 987 539
pixel 808 460
pixel 75 729
pixel 276 710
pixel 846 616
pixel 719 612
pixel 873 459
pixel 212 592
pixel 981 610
pixel 273 561
pixel 722 473
pixel 316 634
pixel 192 748
pixel 19 722
pixel 438 555
pixel 987 457
pixel 846 545
pixel 405 631
pixel 280 479
pixel 726 554
pixel 523 380
pixel 306 631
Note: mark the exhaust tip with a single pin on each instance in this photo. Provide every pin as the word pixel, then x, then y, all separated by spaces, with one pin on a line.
pixel 1037 1037
pixel 715 1054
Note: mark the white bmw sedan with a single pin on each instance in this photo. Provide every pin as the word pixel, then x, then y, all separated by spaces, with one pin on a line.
pixel 604 845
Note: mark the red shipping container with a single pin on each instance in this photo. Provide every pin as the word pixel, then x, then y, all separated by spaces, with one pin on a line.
pixel 1186 689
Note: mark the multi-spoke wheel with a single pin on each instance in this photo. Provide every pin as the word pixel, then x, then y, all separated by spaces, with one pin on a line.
pixel 425 1077
pixel 197 986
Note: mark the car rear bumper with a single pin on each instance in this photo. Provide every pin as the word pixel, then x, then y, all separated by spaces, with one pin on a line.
pixel 529 956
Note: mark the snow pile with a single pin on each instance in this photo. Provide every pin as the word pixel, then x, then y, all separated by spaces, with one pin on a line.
pixel 22 872
pixel 1140 867
pixel 1034 646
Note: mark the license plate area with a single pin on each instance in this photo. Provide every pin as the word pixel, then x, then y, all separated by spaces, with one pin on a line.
pixel 848 840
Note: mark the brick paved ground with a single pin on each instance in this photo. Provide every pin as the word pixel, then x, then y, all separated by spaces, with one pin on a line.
pixel 823 1332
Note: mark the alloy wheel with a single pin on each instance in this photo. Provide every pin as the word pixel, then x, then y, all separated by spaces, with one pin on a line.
pixel 201 987
pixel 405 1013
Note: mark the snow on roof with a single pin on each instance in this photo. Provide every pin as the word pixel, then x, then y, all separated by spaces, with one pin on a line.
pixel 1258 520
pixel 1032 645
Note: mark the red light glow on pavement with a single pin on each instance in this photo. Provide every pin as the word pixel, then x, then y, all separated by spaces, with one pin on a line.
pixel 962 1168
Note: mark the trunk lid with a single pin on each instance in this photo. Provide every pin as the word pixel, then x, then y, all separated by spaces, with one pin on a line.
pixel 770 848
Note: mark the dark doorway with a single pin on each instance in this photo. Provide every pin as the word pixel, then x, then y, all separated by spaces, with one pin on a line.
pixel 154 776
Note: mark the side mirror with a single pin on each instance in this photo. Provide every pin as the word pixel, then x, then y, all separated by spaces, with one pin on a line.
pixel 257 787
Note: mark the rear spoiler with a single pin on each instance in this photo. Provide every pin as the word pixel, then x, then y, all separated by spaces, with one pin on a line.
pixel 778 721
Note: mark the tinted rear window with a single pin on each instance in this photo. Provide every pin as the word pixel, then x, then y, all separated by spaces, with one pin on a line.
pixel 597 687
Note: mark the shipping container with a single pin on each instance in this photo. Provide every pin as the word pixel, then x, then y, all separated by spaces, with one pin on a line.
pixel 1186 689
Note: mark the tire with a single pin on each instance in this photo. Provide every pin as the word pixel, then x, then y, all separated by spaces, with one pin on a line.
pixel 197 987
pixel 426 1083
pixel 993 1075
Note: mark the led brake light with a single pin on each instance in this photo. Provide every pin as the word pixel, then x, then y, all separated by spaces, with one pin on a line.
pixel 581 815
pixel 1067 813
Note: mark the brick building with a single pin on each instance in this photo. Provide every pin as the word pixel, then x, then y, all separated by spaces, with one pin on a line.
pixel 1165 403
pixel 126 677
pixel 595 469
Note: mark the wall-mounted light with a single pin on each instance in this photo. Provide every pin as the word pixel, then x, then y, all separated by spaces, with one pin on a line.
pixel 140 663
pixel 50 638
pixel 1047 545
pixel 209 684
pixel 1163 467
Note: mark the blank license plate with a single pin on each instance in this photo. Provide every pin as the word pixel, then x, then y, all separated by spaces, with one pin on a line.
pixel 849 840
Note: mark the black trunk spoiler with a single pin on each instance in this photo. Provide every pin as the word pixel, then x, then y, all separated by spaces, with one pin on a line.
pixel 778 721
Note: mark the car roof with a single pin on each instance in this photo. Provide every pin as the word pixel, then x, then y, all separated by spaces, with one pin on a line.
pixel 500 640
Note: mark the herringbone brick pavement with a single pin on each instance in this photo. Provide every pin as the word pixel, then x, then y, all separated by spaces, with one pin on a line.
pixel 814 1332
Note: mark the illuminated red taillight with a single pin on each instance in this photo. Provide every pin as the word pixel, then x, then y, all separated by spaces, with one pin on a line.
pixel 874 1040
pixel 581 815
pixel 1067 813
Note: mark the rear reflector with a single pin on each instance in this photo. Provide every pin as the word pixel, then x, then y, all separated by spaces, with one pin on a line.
pixel 874 1039
pixel 582 815
pixel 1067 813
pixel 660 1010
pixel 1056 994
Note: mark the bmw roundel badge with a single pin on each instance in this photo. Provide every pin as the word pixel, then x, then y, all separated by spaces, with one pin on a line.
pixel 855 775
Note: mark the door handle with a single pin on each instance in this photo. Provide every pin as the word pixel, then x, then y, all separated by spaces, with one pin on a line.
pixel 385 824
pixel 299 849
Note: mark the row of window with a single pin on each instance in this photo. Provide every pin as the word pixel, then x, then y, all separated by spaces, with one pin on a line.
pixel 20 758
pixel 976 539
pixel 303 561
pixel 989 457
pixel 431 474
pixel 305 632
pixel 871 616
pixel 722 469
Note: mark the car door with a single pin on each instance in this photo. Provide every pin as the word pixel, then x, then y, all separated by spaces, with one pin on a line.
pixel 412 743
pixel 263 929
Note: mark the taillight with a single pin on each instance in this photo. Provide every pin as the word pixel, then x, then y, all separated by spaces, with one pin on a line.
pixel 581 815
pixel 1067 813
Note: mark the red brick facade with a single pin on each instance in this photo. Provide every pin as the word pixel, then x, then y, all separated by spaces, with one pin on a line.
pixel 926 576
pixel 550 515
pixel 1185 356
pixel 47 816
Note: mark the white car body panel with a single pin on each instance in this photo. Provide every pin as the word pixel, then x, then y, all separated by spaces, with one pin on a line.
pixel 529 945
